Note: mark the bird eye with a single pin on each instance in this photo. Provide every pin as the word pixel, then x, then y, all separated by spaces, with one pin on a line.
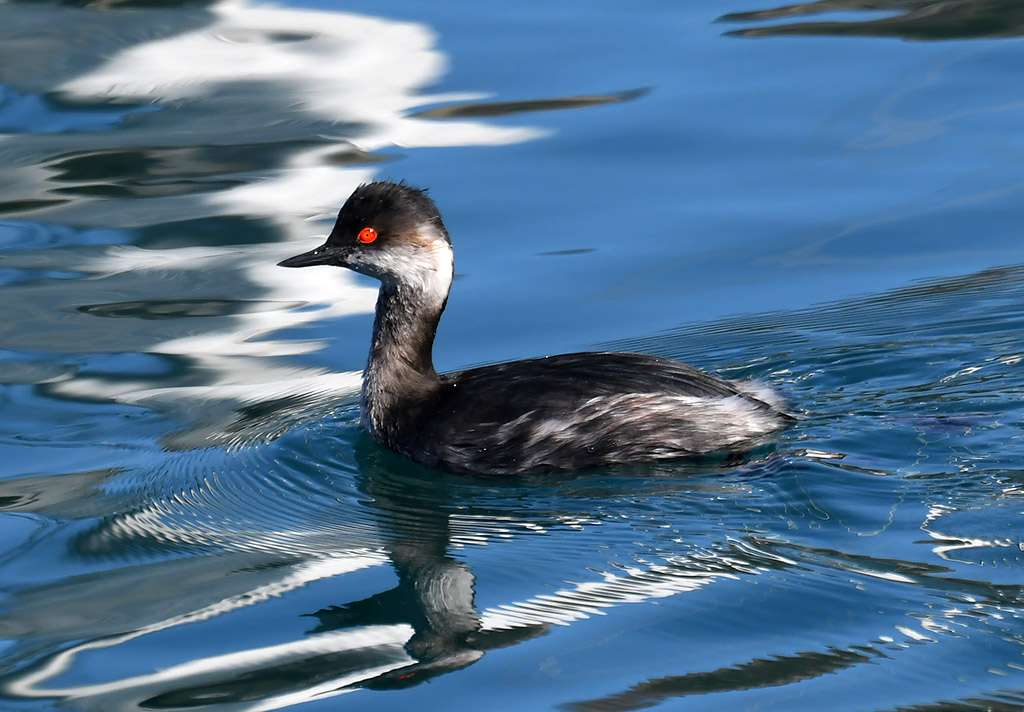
pixel 367 235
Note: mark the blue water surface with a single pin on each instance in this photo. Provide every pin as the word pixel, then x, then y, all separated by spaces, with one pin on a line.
pixel 820 197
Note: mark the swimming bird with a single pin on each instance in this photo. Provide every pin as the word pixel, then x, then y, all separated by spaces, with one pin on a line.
pixel 565 412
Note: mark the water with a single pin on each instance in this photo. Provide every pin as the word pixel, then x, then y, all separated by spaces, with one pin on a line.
pixel 824 198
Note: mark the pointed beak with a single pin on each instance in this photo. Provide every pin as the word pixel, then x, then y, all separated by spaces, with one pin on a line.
pixel 323 255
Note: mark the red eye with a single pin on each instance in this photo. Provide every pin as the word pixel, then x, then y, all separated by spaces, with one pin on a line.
pixel 367 235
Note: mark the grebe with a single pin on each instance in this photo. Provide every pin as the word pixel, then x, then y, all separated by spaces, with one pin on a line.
pixel 565 412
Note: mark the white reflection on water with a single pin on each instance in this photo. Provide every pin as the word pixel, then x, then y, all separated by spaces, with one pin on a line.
pixel 353 656
pixel 258 70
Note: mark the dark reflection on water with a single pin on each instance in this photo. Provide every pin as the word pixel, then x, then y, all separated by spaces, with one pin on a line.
pixel 911 20
pixel 181 308
pixel 782 670
pixel 507 108
pixel 154 172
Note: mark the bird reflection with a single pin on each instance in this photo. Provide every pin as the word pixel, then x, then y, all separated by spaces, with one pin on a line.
pixel 424 626
pixel 435 591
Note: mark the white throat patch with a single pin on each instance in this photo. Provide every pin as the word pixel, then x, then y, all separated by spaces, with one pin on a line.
pixel 426 268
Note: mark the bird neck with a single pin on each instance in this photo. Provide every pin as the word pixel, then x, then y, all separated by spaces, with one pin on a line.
pixel 400 368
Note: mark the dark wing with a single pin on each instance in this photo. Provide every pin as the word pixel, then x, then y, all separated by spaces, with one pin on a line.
pixel 505 391
pixel 573 410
